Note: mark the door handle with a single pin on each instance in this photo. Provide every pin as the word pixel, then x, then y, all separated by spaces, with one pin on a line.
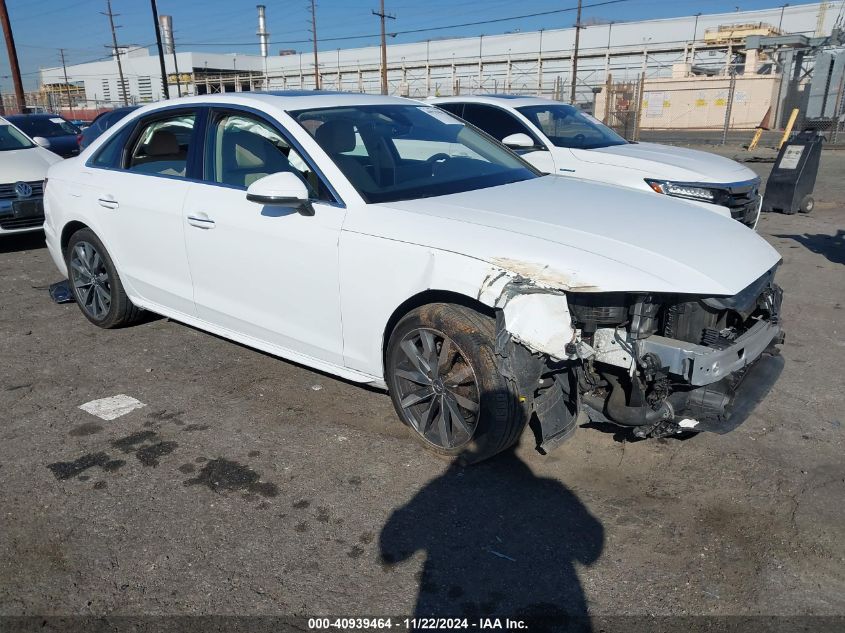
pixel 201 221
pixel 108 202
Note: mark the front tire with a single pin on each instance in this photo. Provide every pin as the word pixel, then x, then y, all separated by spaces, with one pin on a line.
pixel 95 283
pixel 442 375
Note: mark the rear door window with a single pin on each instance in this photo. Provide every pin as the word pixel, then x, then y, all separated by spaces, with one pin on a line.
pixel 162 146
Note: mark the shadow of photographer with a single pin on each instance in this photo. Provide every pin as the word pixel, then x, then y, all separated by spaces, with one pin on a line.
pixel 499 542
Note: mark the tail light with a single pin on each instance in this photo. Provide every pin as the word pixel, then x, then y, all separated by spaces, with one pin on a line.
pixel 79 139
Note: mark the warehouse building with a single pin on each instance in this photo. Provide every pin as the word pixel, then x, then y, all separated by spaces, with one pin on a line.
pixel 689 58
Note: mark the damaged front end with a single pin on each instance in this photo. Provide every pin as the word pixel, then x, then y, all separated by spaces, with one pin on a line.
pixel 662 364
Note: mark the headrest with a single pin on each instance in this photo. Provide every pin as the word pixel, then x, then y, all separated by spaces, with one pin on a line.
pixel 245 150
pixel 163 143
pixel 336 136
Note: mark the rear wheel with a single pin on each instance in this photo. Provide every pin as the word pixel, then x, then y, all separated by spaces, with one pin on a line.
pixel 95 283
pixel 807 204
pixel 445 385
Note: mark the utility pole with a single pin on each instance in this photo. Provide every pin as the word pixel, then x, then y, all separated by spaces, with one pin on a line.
pixel 122 88
pixel 381 14
pixel 67 83
pixel 13 56
pixel 176 66
pixel 575 55
pixel 164 86
pixel 314 34
pixel 780 23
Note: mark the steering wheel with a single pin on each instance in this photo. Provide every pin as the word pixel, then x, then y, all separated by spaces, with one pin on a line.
pixel 437 160
pixel 579 139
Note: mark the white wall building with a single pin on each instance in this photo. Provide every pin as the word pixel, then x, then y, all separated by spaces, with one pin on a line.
pixel 538 62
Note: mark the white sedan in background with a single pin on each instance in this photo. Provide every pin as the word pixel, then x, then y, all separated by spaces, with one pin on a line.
pixel 23 166
pixel 386 242
pixel 561 139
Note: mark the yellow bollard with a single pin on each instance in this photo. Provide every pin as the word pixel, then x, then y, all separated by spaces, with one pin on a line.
pixel 753 144
pixel 788 129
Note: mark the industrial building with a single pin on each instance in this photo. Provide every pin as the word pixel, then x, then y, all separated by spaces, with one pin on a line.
pixel 680 69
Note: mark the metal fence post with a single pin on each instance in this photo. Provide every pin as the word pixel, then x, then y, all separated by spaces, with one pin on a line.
pixel 638 110
pixel 607 89
pixel 729 106
pixel 838 110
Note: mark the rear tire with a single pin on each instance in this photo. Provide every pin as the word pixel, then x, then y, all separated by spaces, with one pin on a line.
pixel 95 284
pixel 807 204
pixel 441 372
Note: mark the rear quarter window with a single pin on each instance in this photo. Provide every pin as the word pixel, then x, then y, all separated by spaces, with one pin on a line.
pixel 110 153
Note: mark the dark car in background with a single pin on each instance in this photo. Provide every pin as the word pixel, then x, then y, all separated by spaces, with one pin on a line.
pixel 102 123
pixel 50 131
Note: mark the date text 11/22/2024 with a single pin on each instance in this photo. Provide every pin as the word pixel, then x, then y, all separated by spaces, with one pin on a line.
pixel 414 624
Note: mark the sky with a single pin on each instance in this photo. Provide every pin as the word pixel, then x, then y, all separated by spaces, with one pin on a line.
pixel 226 26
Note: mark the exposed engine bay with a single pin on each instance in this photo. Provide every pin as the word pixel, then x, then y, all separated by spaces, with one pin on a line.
pixel 662 364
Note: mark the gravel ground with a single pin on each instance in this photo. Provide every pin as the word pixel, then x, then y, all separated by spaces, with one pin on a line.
pixel 251 486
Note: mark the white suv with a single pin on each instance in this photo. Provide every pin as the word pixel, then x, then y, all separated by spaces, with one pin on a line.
pixel 562 139
pixel 23 166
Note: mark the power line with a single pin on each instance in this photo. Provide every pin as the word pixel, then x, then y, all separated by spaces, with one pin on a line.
pixel 101 58
pixel 421 30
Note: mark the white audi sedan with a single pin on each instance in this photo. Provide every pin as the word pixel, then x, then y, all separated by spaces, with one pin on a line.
pixel 386 242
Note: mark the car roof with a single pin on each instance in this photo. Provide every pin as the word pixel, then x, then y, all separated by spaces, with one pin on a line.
pixel 510 101
pixel 288 100
pixel 120 110
pixel 34 115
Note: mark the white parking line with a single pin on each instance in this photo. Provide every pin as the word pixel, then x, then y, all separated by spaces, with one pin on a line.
pixel 112 407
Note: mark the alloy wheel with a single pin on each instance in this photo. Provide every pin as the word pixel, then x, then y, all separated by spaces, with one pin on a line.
pixel 90 280
pixel 437 388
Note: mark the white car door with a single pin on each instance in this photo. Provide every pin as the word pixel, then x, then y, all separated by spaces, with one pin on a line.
pixel 139 197
pixel 266 272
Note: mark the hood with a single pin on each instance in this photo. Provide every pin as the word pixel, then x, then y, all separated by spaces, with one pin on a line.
pixel 64 145
pixel 25 164
pixel 587 236
pixel 668 162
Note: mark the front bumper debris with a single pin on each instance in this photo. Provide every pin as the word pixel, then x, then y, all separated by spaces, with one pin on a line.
pixel 701 365
pixel 718 407
pixel 741 393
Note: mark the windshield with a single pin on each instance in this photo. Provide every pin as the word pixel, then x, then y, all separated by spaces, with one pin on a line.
pixel 12 138
pixel 48 127
pixel 567 126
pixel 403 152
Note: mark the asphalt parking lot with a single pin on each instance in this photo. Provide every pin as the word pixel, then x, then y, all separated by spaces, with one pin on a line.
pixel 249 485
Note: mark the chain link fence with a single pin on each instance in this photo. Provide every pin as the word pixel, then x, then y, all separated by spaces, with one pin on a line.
pixel 727 109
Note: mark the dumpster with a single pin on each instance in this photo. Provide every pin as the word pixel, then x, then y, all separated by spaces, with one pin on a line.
pixel 790 185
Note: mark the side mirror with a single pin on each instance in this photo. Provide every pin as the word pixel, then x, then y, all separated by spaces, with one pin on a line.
pixel 281 189
pixel 519 141
pixel 41 141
